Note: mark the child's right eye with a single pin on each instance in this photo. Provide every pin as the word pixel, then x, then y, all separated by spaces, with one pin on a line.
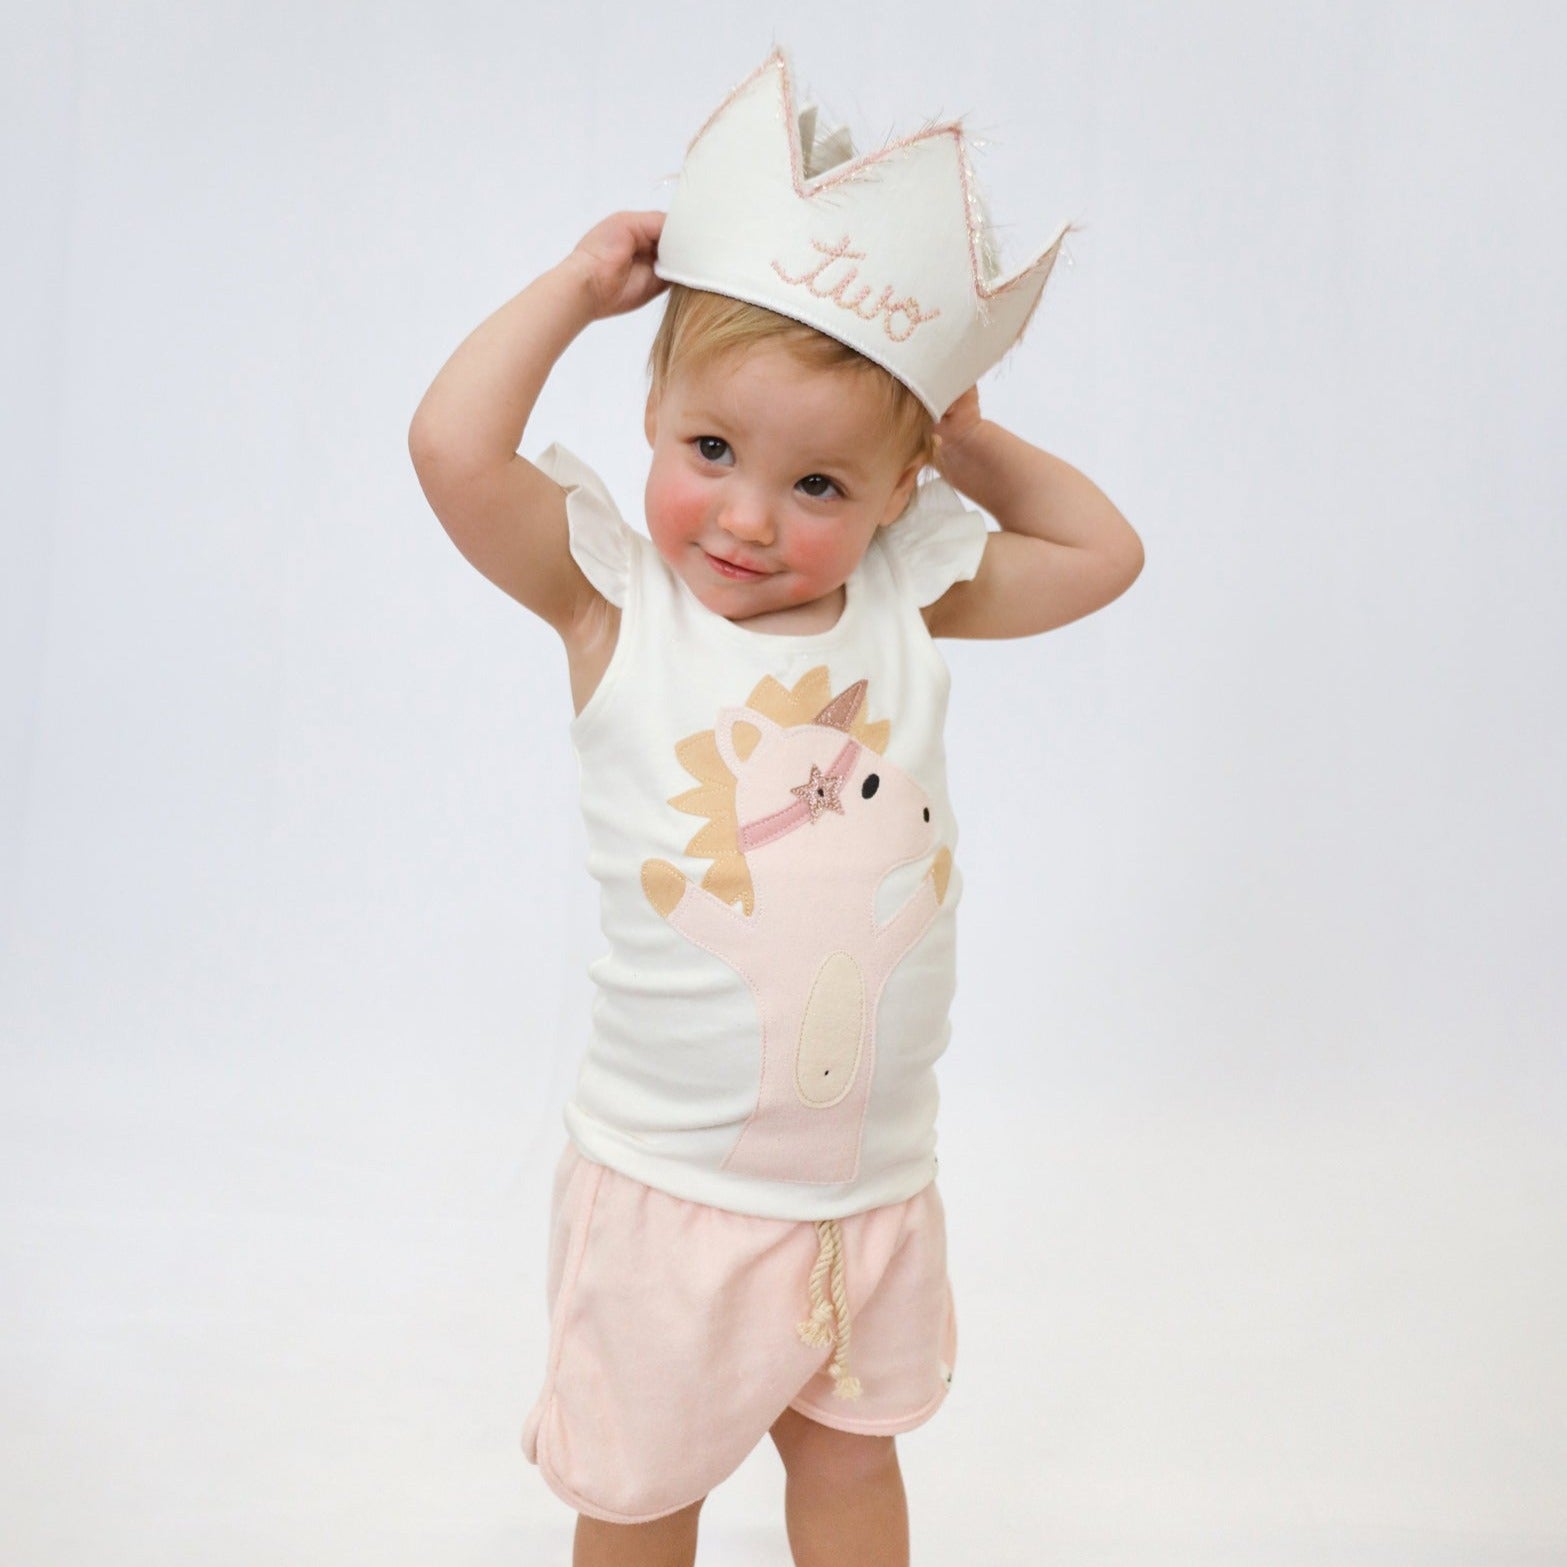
pixel 712 447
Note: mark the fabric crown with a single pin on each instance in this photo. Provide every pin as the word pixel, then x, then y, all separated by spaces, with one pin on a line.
pixel 890 251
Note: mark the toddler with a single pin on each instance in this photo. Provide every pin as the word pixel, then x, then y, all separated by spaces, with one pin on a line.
pixel 746 1234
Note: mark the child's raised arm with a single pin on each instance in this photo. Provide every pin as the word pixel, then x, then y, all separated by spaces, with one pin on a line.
pixel 1063 550
pixel 505 516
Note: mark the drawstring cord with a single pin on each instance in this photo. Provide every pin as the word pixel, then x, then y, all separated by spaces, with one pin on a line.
pixel 828 1322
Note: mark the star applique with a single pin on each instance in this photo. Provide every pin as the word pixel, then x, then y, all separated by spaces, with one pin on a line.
pixel 820 792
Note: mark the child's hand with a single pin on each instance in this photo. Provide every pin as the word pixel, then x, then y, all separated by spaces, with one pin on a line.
pixel 617 256
pixel 959 421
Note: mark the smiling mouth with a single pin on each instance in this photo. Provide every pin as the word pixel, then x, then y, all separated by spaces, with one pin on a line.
pixel 729 569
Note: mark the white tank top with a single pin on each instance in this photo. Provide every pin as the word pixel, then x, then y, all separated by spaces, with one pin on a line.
pixel 767 818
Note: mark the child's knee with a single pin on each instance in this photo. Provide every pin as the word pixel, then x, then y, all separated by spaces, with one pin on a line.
pixel 819 1455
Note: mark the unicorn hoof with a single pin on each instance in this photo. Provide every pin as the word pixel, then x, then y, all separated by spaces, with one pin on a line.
pixel 663 884
pixel 940 870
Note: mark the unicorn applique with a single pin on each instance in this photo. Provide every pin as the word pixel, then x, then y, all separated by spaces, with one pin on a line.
pixel 806 819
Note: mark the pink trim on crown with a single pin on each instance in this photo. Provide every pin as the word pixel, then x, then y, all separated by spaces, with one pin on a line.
pixel 766 828
pixel 982 288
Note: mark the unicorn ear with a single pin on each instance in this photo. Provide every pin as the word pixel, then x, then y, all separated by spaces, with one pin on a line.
pixel 735 744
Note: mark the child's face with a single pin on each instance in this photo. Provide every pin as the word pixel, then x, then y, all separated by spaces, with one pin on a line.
pixel 763 463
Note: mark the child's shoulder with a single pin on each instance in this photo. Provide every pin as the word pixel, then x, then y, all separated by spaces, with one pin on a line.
pixel 936 541
pixel 601 541
pixel 604 545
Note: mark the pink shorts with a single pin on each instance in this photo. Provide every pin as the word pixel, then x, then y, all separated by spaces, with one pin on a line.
pixel 678 1335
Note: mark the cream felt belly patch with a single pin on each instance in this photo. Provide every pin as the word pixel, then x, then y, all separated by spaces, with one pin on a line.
pixel 831 1033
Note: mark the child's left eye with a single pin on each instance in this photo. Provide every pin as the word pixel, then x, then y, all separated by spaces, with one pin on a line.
pixel 817 485
pixel 713 447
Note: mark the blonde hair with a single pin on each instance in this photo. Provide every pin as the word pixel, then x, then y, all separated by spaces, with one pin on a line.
pixel 699 326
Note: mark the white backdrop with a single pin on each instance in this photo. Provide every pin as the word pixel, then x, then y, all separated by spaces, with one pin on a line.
pixel 1252 1121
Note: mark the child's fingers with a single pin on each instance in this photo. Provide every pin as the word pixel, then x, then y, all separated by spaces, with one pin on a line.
pixel 636 232
pixel 621 250
pixel 958 420
pixel 645 229
pixel 966 408
pixel 639 286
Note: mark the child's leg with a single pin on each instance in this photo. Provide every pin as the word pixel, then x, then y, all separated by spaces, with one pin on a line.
pixel 666 1542
pixel 843 1499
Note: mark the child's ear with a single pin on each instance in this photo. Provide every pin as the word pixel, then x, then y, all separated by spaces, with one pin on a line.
pixel 902 492
pixel 650 418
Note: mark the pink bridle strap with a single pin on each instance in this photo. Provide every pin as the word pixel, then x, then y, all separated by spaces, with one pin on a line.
pixel 766 828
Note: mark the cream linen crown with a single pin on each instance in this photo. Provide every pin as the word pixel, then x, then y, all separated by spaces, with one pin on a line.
pixel 890 252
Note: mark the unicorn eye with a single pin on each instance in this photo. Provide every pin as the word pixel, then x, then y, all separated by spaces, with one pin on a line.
pixel 870 786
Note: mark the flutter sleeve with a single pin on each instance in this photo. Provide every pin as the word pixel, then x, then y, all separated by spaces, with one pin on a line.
pixel 601 540
pixel 937 541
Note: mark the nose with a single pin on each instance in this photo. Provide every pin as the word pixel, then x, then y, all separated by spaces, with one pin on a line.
pixel 747 517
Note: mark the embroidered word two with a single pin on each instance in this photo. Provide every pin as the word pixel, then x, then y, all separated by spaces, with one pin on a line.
pixel 822 281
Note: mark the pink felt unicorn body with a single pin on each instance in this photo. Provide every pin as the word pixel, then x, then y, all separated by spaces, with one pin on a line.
pixel 822 820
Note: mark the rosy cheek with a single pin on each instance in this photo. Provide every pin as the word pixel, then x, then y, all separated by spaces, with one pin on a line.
pixel 675 508
pixel 820 550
